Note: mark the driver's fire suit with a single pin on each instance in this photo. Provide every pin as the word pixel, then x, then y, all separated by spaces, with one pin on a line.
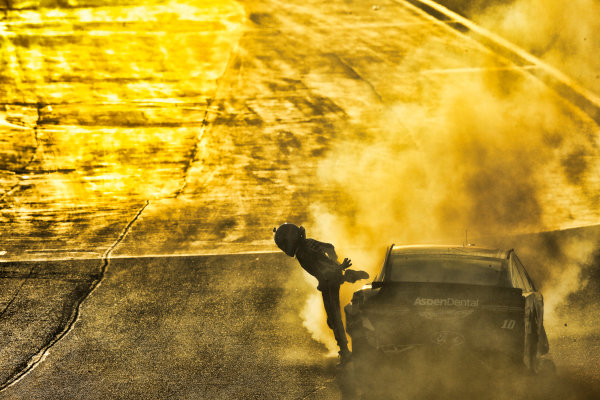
pixel 320 260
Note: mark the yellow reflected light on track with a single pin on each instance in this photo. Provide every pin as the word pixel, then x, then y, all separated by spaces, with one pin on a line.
pixel 111 101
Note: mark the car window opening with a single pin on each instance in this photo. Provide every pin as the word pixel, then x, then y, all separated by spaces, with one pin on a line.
pixel 448 269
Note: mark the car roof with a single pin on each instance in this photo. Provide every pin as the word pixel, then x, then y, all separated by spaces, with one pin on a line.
pixel 470 251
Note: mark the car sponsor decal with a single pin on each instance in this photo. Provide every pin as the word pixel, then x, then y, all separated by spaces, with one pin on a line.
pixel 445 313
pixel 499 308
pixel 391 310
pixel 424 301
pixel 447 338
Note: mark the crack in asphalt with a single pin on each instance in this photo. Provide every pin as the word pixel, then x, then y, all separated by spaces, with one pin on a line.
pixel 25 280
pixel 195 150
pixel 209 102
pixel 41 355
pixel 124 233
pixel 24 168
pixel 352 73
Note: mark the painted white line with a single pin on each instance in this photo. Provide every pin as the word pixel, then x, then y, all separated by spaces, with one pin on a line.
pixel 125 256
pixel 216 254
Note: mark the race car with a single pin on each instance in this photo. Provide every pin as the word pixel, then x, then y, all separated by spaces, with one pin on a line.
pixel 445 298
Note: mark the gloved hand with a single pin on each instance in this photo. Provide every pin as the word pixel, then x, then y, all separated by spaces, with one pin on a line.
pixel 345 264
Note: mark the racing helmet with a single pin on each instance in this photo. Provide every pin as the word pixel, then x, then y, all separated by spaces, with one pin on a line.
pixel 287 238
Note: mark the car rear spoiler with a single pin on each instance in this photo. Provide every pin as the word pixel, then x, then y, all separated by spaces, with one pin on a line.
pixel 378 282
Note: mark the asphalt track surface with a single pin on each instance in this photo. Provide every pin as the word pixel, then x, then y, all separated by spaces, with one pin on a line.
pixel 134 131
pixel 229 327
pixel 173 328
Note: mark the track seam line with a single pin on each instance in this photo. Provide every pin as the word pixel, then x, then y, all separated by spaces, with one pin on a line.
pixel 134 256
pixel 41 355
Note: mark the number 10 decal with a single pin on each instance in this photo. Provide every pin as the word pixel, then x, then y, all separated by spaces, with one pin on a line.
pixel 509 324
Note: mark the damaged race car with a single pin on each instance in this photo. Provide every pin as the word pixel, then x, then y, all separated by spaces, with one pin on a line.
pixel 449 299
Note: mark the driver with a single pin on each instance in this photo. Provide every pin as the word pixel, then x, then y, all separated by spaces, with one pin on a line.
pixel 320 260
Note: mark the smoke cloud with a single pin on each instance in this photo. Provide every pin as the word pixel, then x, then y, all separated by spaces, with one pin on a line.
pixel 562 34
pixel 480 159
pixel 566 278
pixel 494 153
pixel 314 320
pixel 565 266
